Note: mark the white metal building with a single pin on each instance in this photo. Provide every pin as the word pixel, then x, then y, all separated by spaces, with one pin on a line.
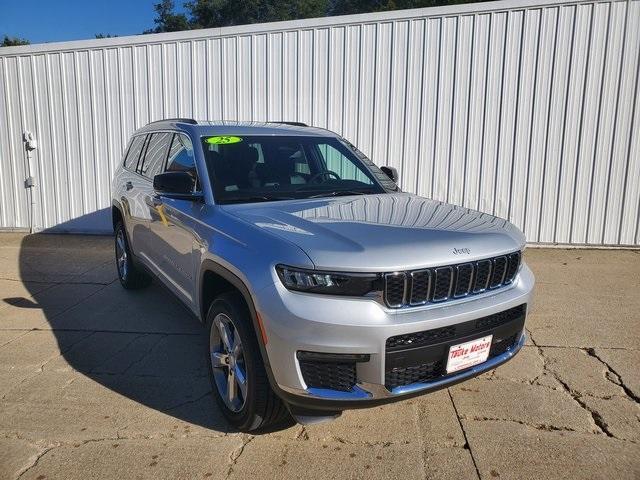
pixel 524 109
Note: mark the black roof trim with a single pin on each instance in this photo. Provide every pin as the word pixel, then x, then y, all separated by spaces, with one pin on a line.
pixel 294 124
pixel 176 120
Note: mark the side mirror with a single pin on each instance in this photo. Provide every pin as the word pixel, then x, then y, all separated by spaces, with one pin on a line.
pixel 391 172
pixel 175 185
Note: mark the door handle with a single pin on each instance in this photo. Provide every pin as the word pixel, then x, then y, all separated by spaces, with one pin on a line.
pixel 128 185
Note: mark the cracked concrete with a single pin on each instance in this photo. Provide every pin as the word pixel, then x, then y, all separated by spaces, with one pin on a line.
pixel 97 382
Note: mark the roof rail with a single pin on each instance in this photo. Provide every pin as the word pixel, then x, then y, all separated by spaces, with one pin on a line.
pixel 295 124
pixel 181 120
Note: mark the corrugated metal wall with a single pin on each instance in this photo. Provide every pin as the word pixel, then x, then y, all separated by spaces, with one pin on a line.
pixel 524 109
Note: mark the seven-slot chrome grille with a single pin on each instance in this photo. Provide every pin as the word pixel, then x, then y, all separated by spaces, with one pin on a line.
pixel 450 282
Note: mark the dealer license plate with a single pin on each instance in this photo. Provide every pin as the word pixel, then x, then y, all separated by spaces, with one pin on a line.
pixel 468 354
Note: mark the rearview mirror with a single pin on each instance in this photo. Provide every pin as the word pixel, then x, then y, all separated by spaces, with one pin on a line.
pixel 175 185
pixel 391 172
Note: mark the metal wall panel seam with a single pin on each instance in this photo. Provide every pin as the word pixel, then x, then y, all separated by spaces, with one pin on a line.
pixel 150 101
pixel 546 140
pixel 454 79
pixel 120 94
pixel 5 168
pixel 580 129
pixel 420 110
pixel 343 82
pixel 484 112
pixel 436 110
pixel 515 118
pixel 374 77
pixel 500 114
pixel 468 122
pixel 94 136
pixel 81 136
pixel 533 107
pixel 410 27
pixel 107 112
pixel 392 36
pixel 163 74
pixel 65 132
pixel 615 124
pixel 626 172
pixel 42 186
pixel 26 210
pixel 564 125
pixel 52 137
pixel 598 129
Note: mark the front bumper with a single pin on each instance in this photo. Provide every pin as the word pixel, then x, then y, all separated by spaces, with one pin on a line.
pixel 297 322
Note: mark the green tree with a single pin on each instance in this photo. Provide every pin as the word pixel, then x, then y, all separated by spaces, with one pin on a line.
pixel 347 7
pixel 167 20
pixel 13 41
pixel 223 13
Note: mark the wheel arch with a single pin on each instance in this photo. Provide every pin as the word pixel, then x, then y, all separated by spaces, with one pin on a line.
pixel 229 281
pixel 116 214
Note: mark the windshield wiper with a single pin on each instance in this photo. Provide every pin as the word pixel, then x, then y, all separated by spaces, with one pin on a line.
pixel 253 198
pixel 339 193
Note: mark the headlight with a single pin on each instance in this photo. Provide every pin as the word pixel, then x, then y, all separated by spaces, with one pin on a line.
pixel 330 283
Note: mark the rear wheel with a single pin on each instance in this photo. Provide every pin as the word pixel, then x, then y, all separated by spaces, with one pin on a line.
pixel 237 372
pixel 131 277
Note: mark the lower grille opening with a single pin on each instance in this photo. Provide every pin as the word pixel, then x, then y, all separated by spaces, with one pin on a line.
pixel 328 370
pixel 501 345
pixel 421 357
pixel 424 372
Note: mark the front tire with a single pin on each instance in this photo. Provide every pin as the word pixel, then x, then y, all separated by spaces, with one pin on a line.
pixel 131 277
pixel 236 370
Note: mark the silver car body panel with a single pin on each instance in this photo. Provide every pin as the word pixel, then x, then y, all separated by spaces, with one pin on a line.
pixel 383 233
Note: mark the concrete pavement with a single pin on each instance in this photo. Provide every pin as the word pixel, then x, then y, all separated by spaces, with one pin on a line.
pixel 98 382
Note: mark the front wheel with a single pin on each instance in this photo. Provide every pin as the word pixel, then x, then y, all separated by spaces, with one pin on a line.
pixel 237 373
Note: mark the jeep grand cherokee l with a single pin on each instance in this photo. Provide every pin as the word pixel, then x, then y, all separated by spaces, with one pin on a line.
pixel 322 285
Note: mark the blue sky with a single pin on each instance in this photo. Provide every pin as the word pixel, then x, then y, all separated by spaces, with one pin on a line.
pixel 59 20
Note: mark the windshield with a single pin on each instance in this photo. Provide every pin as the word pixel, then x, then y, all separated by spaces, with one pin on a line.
pixel 265 168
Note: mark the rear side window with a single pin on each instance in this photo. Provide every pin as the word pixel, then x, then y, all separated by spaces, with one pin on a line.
pixel 156 154
pixel 131 160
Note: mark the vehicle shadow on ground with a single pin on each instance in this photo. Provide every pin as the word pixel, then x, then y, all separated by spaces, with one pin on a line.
pixel 144 345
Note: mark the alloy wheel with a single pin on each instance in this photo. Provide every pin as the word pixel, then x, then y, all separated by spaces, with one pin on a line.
pixel 121 255
pixel 227 360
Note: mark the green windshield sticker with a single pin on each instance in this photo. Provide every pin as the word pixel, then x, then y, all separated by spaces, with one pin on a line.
pixel 223 140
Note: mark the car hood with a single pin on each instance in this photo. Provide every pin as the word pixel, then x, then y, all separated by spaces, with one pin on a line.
pixel 383 232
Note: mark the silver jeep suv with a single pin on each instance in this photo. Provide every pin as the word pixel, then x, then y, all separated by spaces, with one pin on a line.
pixel 322 286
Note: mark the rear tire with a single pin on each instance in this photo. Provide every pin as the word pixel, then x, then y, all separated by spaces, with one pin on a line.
pixel 131 277
pixel 233 356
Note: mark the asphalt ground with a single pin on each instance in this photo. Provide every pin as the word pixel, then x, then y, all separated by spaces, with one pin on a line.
pixel 99 382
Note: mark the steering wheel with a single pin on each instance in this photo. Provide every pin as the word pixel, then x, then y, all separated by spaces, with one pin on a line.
pixel 325 174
